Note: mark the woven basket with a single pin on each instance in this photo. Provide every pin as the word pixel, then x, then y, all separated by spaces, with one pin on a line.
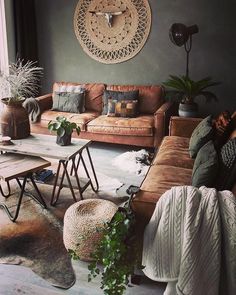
pixel 83 222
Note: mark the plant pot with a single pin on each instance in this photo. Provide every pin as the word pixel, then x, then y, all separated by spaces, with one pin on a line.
pixel 64 140
pixel 188 110
pixel 14 119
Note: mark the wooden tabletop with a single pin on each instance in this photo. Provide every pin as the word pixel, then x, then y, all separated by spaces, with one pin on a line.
pixel 14 165
pixel 45 146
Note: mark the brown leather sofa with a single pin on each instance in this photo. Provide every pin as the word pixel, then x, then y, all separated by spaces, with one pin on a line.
pixel 172 166
pixel 146 130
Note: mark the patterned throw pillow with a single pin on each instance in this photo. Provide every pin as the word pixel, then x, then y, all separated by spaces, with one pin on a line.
pixel 205 167
pixel 68 102
pixel 227 159
pixel 117 95
pixel 123 108
pixel 200 136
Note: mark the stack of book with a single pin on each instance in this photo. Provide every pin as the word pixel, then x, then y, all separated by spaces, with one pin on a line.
pixel 43 176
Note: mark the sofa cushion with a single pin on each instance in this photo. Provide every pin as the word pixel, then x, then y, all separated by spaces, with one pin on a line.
pixel 227 161
pixel 205 167
pixel 118 96
pixel 139 126
pixel 201 135
pixel 174 152
pixel 150 97
pixel 68 102
pixel 80 119
pixel 162 177
pixel 93 93
pixel 123 108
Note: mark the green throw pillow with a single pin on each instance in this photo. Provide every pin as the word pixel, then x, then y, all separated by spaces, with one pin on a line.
pixel 201 135
pixel 68 102
pixel 117 95
pixel 205 168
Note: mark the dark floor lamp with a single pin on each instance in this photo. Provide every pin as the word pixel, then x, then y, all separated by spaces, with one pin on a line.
pixel 181 35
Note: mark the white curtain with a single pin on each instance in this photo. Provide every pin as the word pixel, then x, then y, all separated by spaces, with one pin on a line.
pixel 3 44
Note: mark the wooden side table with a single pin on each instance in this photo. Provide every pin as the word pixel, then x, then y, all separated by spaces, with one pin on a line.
pixel 13 166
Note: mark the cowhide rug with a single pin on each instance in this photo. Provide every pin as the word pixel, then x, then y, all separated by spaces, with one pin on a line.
pixel 136 162
pixel 35 240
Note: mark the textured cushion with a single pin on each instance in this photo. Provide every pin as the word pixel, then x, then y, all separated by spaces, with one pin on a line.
pixel 201 135
pixel 139 126
pixel 80 119
pixel 205 167
pixel 174 152
pixel 150 96
pixel 227 159
pixel 68 102
pixel 118 96
pixel 123 108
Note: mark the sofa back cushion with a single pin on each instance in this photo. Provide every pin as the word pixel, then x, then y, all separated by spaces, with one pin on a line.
pixel 150 97
pixel 93 93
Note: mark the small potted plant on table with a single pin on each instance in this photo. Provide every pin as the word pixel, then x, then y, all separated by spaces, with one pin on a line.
pixel 64 129
pixel 185 90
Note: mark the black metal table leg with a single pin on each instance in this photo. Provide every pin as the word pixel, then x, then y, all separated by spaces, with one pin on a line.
pixel 9 190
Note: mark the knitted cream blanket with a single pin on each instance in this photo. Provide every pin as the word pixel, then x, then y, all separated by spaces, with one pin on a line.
pixel 191 239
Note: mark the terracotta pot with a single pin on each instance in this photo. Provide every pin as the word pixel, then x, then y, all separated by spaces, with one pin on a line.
pixel 14 119
pixel 188 110
pixel 64 140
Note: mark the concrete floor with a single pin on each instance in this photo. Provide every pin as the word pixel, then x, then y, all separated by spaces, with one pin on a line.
pixel 21 280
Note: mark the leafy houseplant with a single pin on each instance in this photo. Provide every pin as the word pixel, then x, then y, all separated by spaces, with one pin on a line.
pixel 117 252
pixel 64 129
pixel 20 82
pixel 185 90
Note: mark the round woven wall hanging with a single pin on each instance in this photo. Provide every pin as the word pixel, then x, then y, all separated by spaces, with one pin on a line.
pixel 112 31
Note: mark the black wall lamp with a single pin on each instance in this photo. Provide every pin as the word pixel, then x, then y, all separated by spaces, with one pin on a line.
pixel 181 35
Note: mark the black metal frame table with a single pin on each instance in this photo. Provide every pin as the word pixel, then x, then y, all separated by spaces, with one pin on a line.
pixel 13 166
pixel 45 146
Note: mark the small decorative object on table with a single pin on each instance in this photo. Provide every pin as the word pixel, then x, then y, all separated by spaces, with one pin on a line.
pixel 21 82
pixel 64 129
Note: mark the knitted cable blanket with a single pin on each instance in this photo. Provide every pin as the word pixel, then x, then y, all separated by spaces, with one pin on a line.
pixel 191 239
pixel 33 109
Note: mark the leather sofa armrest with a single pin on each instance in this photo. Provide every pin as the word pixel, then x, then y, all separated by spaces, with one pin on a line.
pixel 45 102
pixel 182 126
pixel 161 120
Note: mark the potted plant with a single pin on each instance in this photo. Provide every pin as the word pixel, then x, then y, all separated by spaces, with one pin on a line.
pixel 185 90
pixel 20 82
pixel 117 255
pixel 64 129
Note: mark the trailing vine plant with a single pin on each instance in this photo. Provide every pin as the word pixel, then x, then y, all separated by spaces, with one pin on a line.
pixel 117 253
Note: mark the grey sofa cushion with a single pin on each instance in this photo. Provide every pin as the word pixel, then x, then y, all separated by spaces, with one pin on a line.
pixel 200 136
pixel 68 102
pixel 205 167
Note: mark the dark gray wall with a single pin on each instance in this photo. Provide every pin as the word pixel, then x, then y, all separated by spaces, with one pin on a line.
pixel 213 52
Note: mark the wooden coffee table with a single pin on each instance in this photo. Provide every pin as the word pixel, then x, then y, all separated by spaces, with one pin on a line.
pixel 45 146
pixel 13 166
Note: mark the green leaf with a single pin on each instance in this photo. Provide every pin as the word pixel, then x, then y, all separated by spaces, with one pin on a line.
pixel 60 131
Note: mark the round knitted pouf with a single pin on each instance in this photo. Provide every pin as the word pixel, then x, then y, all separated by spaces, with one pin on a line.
pixel 82 222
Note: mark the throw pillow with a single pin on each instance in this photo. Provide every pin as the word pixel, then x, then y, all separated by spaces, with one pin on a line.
pixel 68 102
pixel 200 136
pixel 205 166
pixel 223 125
pixel 123 108
pixel 227 161
pixel 117 95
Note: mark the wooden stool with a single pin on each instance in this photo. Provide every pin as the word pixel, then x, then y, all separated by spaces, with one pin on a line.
pixel 13 166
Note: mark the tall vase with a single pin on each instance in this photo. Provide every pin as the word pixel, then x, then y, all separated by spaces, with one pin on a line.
pixel 14 119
